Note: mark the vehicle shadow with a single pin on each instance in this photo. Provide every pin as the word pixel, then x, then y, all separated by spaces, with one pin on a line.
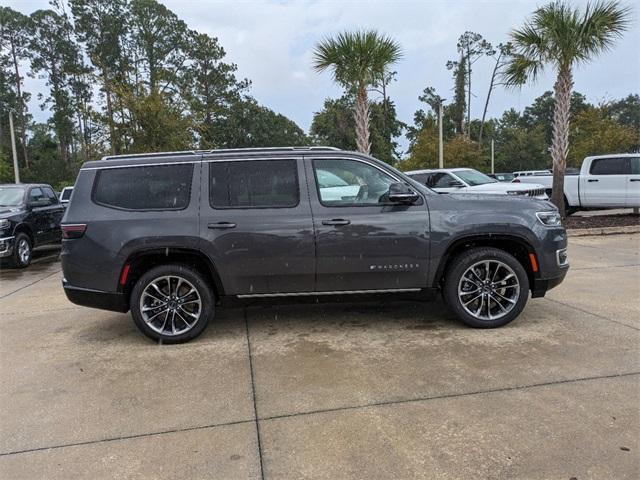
pixel 268 320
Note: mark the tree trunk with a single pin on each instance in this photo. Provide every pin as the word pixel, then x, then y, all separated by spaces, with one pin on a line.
pixel 362 121
pixel 21 116
pixel 468 95
pixel 110 121
pixel 486 103
pixel 560 143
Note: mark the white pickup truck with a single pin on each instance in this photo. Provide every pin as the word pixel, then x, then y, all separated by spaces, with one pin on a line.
pixel 604 181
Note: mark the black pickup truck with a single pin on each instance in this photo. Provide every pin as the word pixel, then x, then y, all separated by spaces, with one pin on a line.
pixel 30 216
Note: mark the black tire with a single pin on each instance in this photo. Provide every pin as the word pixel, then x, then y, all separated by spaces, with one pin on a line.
pixel 204 292
pixel 568 210
pixel 18 259
pixel 457 268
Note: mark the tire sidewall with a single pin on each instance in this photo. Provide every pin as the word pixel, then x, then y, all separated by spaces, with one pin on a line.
pixel 462 263
pixel 17 261
pixel 204 290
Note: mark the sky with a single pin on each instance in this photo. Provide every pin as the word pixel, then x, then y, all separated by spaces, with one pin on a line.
pixel 272 42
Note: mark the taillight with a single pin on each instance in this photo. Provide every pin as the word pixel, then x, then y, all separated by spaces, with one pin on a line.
pixel 75 230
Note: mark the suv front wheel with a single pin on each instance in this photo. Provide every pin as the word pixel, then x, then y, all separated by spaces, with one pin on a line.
pixel 486 287
pixel 22 251
pixel 172 304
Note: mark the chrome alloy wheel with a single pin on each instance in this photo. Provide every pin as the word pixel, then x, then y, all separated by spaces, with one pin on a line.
pixel 170 305
pixel 24 251
pixel 488 290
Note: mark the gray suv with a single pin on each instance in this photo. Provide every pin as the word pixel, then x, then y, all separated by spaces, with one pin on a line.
pixel 173 236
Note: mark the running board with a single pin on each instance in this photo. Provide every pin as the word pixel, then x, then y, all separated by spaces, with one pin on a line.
pixel 315 294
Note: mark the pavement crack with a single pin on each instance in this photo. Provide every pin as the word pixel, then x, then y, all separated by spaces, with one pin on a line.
pixel 124 437
pixel 257 419
pixel 253 393
pixel 448 396
pixel 30 284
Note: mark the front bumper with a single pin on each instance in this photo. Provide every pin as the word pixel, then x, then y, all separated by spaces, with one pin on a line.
pixel 115 302
pixel 552 259
pixel 541 285
pixel 6 246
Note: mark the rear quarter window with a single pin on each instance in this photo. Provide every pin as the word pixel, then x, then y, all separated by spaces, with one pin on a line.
pixel 162 187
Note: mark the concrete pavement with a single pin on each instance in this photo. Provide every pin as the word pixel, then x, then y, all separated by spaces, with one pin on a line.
pixel 397 390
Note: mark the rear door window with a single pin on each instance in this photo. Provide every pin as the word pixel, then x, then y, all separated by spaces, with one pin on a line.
pixel 254 184
pixel 162 187
pixel 610 166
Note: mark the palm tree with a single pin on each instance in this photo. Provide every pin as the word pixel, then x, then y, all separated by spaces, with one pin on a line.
pixel 562 37
pixel 359 60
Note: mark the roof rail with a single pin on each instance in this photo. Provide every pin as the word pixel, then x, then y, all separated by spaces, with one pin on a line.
pixel 220 150
pixel 156 154
pixel 267 149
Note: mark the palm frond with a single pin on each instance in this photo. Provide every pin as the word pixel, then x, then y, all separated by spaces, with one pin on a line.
pixel 521 69
pixel 356 58
pixel 602 24
pixel 561 35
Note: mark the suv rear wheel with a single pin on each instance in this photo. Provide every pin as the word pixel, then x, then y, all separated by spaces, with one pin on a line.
pixel 172 303
pixel 486 287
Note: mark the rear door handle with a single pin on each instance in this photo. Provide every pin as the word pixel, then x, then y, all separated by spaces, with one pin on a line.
pixel 336 221
pixel 214 226
pixel 592 180
pixel 635 180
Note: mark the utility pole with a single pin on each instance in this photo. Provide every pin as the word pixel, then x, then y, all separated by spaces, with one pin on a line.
pixel 440 145
pixel 492 162
pixel 16 171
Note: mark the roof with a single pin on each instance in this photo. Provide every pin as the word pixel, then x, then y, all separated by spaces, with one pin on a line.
pixel 191 156
pixel 220 151
pixel 25 185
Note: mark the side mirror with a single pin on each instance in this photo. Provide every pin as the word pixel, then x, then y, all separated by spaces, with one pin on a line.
pixel 456 184
pixel 401 193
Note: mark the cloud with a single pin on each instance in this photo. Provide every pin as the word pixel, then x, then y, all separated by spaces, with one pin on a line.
pixel 271 42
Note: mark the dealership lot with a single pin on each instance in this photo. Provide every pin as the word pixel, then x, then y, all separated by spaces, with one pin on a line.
pixel 397 390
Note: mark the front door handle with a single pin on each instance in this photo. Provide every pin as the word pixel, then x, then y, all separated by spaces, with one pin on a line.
pixel 214 226
pixel 592 180
pixel 635 180
pixel 336 221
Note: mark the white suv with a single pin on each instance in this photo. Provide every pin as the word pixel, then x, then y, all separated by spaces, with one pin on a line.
pixel 468 180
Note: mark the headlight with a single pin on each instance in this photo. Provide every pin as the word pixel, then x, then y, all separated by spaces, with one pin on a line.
pixel 549 219
pixel 4 223
pixel 516 192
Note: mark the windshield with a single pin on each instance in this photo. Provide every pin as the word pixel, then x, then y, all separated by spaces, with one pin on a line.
pixel 11 196
pixel 473 177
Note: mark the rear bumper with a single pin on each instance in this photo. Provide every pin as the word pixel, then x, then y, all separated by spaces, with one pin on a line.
pixel 115 302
